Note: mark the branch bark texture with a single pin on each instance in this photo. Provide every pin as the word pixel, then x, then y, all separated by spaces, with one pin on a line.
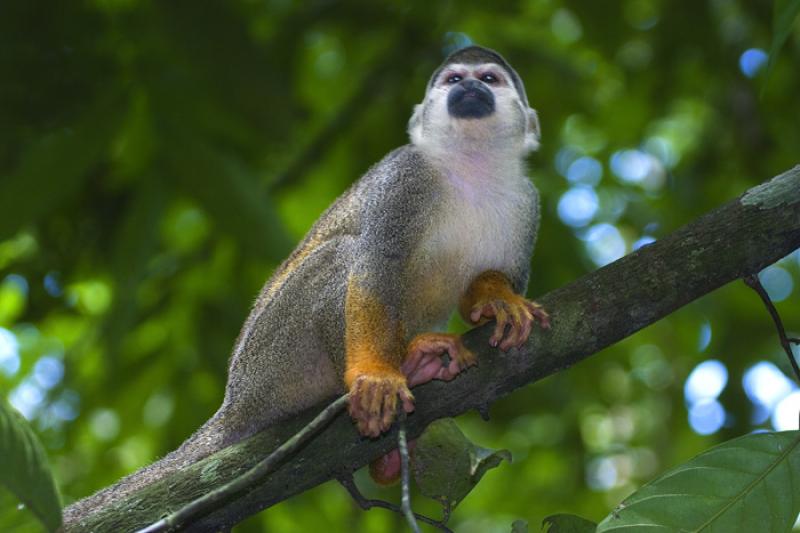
pixel 589 314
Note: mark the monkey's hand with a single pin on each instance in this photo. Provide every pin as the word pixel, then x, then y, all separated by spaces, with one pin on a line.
pixel 424 360
pixel 373 401
pixel 490 296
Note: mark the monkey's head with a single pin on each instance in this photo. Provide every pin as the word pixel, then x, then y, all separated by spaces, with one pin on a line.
pixel 475 98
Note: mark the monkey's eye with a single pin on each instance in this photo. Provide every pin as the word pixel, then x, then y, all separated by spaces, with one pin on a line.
pixel 489 78
pixel 454 78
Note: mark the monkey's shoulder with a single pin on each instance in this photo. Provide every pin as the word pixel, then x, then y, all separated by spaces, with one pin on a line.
pixel 403 174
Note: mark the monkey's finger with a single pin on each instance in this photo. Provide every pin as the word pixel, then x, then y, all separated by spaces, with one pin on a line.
pixel 407 398
pixel 540 314
pixel 426 371
pixel 361 424
pixel 411 363
pixel 354 407
pixel 373 426
pixel 389 409
pixel 527 325
pixel 380 391
pixel 481 310
pixel 501 318
pixel 368 391
pixel 515 319
pixel 419 354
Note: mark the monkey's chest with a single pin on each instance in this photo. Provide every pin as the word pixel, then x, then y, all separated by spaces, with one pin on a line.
pixel 468 235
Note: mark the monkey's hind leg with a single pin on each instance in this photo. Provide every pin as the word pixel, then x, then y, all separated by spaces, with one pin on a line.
pixel 424 361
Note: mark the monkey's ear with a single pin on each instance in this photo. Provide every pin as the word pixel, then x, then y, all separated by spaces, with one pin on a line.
pixel 532 131
pixel 415 125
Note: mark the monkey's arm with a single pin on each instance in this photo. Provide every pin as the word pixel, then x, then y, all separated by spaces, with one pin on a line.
pixel 400 195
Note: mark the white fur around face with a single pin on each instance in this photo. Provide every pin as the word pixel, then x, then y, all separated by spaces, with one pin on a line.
pixel 512 127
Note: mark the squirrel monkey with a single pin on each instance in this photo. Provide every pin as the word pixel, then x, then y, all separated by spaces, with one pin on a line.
pixel 448 221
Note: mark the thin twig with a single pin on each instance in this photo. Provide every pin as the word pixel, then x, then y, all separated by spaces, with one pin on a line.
pixel 366 504
pixel 405 500
pixel 753 282
pixel 249 479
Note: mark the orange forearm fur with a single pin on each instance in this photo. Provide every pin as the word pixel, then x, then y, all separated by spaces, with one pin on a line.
pixel 373 341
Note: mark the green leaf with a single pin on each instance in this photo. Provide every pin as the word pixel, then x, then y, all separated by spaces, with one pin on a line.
pixel 784 14
pixel 568 523
pixel 746 484
pixel 24 469
pixel 447 465
pixel 54 168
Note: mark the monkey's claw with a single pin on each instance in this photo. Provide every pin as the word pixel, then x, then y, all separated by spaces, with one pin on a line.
pixel 424 360
pixel 516 314
pixel 373 402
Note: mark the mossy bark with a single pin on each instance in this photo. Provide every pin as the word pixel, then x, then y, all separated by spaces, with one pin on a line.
pixel 591 313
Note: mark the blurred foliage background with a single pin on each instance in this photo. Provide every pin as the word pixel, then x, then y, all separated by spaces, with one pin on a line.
pixel 159 159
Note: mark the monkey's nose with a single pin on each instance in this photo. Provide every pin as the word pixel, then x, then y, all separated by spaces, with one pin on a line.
pixel 471 85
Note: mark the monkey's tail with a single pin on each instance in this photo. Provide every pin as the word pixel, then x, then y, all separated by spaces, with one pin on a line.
pixel 205 441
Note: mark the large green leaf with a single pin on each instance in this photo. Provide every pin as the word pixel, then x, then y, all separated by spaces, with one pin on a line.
pixel 784 14
pixel 447 465
pixel 54 168
pixel 746 484
pixel 24 469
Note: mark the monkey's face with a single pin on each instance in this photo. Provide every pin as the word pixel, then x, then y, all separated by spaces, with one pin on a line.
pixel 474 104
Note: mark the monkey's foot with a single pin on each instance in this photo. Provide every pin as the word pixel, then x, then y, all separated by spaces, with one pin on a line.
pixel 518 313
pixel 385 470
pixel 373 401
pixel 424 360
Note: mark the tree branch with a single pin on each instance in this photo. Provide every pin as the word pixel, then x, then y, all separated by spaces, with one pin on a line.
pixel 591 313
pixel 754 283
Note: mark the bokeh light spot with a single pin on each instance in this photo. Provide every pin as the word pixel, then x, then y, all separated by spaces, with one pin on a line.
pixel 706 417
pixel 752 60
pixel 104 424
pixel 26 398
pixel 638 168
pixel 578 206
pixel 706 381
pixel 9 352
pixel 705 336
pixel 586 170
pixel 644 240
pixel 604 244
pixel 766 385
pixel 158 409
pixel 48 372
pixel 601 473
pixel 787 413
pixel 777 282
